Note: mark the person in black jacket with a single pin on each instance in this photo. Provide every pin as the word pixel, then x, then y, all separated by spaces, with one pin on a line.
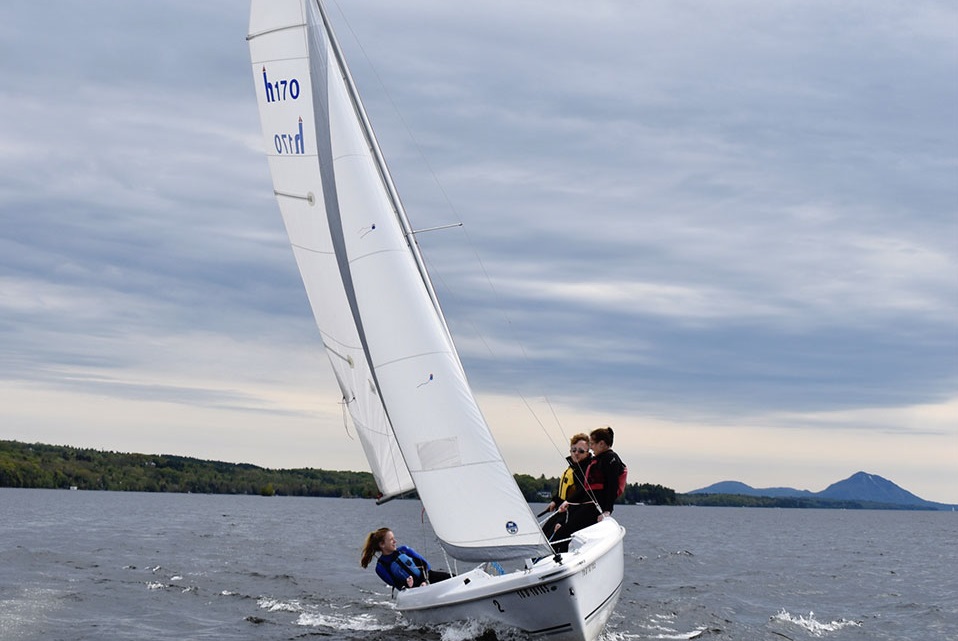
pixel 603 478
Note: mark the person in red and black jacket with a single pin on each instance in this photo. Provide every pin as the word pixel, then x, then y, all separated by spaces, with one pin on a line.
pixel 605 476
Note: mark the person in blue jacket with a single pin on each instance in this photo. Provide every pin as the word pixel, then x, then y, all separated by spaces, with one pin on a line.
pixel 399 566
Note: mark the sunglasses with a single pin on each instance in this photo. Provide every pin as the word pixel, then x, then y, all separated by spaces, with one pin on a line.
pixel 575 450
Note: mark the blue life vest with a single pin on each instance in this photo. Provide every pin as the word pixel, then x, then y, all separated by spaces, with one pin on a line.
pixel 396 568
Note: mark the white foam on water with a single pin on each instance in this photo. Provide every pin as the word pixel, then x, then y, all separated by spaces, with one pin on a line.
pixel 612 635
pixel 275 605
pixel 684 636
pixel 812 625
pixel 463 631
pixel 156 585
pixel 381 602
pixel 355 623
pixel 656 632
pixel 469 630
pixel 660 626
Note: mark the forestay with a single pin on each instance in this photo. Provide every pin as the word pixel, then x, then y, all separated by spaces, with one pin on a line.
pixel 382 327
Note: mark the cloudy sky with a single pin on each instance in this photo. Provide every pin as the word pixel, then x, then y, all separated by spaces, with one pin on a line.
pixel 727 229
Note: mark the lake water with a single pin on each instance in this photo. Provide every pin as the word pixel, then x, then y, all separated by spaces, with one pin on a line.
pixel 109 566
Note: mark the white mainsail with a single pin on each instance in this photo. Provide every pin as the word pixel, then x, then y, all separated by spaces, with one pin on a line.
pixel 382 327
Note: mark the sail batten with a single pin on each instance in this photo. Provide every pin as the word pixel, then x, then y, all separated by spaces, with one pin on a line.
pixel 384 331
pixel 253 36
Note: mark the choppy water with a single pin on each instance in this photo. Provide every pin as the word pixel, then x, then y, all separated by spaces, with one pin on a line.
pixel 123 566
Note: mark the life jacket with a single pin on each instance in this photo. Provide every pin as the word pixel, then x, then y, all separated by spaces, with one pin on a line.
pixel 565 484
pixel 599 484
pixel 399 568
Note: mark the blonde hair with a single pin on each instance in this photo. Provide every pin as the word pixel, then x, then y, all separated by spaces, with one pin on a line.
pixel 579 437
pixel 373 544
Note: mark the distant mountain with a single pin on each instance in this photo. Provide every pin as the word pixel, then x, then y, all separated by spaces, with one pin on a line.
pixel 860 486
pixel 737 487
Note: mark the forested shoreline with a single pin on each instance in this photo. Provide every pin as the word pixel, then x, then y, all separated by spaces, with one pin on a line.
pixel 36 465
pixel 41 466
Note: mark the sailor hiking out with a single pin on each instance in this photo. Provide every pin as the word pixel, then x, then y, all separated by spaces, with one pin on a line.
pixel 399 566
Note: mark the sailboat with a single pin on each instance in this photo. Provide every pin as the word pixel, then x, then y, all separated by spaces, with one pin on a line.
pixel 393 356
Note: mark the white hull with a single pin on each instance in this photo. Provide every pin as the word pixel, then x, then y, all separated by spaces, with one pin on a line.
pixel 566 601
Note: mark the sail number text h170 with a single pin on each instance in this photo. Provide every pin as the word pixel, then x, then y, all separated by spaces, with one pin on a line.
pixel 284 90
pixel 280 90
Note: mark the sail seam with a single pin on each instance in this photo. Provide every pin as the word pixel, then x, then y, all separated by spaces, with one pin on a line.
pixel 258 61
pixel 353 260
pixel 410 357
pixel 314 251
pixel 457 465
pixel 341 156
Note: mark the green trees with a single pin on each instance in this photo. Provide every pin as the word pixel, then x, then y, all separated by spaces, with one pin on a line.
pixel 648 494
pixel 531 487
pixel 36 465
pixel 49 466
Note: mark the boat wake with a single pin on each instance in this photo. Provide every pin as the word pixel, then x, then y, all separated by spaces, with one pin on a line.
pixel 279 605
pixel 660 626
pixel 343 622
pixel 471 630
pixel 812 625
pixel 329 616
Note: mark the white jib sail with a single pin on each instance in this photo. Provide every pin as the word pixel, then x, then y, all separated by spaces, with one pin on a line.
pixel 284 92
pixel 373 304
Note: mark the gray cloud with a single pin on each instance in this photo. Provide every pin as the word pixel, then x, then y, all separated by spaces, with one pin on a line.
pixel 708 211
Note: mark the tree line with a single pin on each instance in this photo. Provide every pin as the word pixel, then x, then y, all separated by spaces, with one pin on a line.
pixel 35 465
pixel 541 488
pixel 53 466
